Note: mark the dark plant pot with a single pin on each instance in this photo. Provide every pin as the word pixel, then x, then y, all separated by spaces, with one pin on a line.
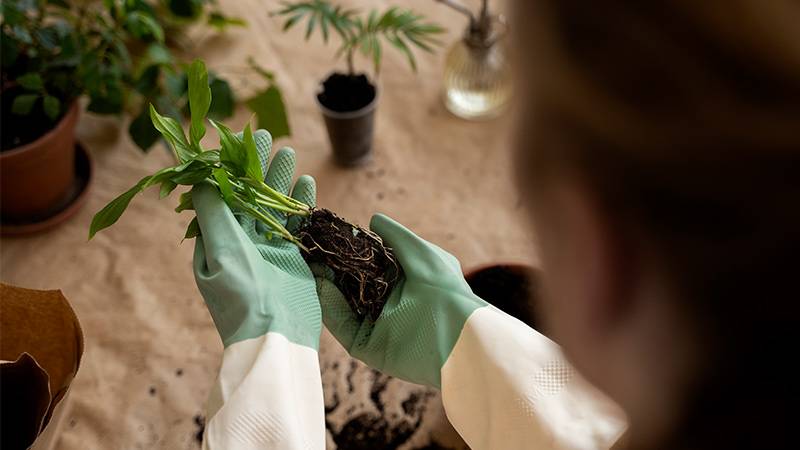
pixel 36 179
pixel 350 131
pixel 512 288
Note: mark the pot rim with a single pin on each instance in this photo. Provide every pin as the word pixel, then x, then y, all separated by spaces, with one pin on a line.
pixel 70 116
pixel 369 107
pixel 473 270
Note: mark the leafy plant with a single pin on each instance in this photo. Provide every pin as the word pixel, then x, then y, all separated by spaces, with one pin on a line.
pixel 363 268
pixel 234 168
pixel 119 53
pixel 400 28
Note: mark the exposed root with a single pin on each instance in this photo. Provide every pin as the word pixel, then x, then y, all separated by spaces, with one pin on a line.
pixel 364 269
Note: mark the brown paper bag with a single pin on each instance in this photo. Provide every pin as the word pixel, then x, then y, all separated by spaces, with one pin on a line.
pixel 41 345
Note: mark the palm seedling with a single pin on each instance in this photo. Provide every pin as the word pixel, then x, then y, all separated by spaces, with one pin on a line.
pixel 348 99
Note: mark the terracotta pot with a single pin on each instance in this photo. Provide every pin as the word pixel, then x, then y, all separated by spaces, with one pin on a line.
pixel 36 178
pixel 512 288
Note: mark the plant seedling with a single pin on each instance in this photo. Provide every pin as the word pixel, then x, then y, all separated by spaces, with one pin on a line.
pixel 364 269
pixel 401 28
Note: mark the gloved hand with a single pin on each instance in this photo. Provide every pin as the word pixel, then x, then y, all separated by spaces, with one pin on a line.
pixel 422 319
pixel 253 285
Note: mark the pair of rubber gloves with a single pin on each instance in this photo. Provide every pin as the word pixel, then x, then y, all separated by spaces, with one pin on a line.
pixel 254 285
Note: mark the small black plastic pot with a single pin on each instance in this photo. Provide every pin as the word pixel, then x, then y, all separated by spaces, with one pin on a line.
pixel 348 105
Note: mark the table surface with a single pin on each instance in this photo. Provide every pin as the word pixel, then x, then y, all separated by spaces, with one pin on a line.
pixel 151 349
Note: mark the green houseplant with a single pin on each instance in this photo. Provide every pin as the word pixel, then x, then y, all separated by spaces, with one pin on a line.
pixel 118 53
pixel 348 100
pixel 365 270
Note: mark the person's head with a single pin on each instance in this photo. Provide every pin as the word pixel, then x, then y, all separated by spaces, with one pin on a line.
pixel 660 154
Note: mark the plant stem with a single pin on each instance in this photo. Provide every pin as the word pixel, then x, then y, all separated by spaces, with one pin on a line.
pixel 460 8
pixel 270 202
pixel 282 208
pixel 275 225
pixel 264 188
pixel 350 66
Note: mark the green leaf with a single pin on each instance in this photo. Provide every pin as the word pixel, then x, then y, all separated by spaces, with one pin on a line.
pixel 310 28
pixel 142 131
pixel 224 185
pixel 185 8
pixel 266 74
pixel 222 100
pixel 219 21
pixel 112 212
pixel 143 25
pixel 31 81
pixel 147 84
pixel 194 165
pixel 199 101
pixel 253 169
pixel 52 107
pixel 193 230
pixel 190 177
pixel 177 84
pixel 23 104
pixel 185 202
pixel 208 156
pixel 47 37
pixel 166 188
pixel 158 54
pixel 106 102
pixel 270 112
pixel 173 133
pixel 232 154
pixel 9 49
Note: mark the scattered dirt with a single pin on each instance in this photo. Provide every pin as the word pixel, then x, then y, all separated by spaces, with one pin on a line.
pixel 364 269
pixel 152 391
pixel 372 432
pixel 344 93
pixel 200 422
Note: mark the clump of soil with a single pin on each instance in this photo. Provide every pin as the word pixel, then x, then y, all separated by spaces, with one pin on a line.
pixel 345 93
pixel 200 423
pixel 365 270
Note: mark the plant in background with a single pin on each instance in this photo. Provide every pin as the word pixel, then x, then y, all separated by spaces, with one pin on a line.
pixel 401 28
pixel 119 53
pixel 352 93
pixel 364 268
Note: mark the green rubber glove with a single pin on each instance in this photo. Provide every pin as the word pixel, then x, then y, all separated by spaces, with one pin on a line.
pixel 253 285
pixel 422 319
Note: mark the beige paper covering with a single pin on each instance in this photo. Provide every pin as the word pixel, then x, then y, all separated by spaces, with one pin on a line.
pixel 447 179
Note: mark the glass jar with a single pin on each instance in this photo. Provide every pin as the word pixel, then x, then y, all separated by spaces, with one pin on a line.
pixel 477 76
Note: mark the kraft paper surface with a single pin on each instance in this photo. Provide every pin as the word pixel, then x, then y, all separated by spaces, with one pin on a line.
pixel 151 348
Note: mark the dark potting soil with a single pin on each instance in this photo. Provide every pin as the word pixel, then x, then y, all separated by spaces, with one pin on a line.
pixel 19 130
pixel 364 269
pixel 345 93
pixel 200 424
pixel 512 289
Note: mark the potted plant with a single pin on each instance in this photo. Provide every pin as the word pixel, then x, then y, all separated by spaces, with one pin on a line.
pixel 348 100
pixel 364 269
pixel 116 53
